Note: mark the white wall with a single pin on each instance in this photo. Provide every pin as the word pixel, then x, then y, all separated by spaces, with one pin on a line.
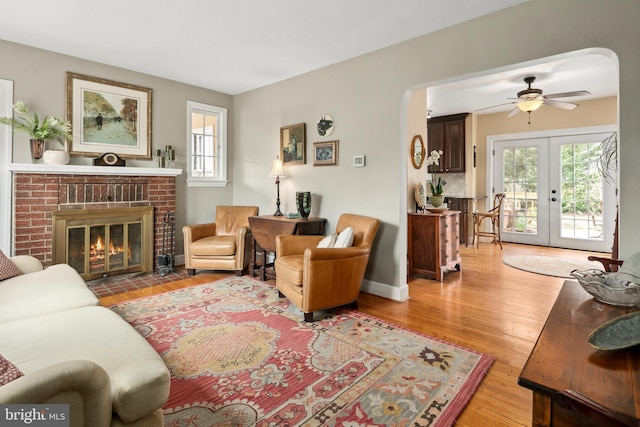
pixel 368 98
pixel 6 100
pixel 39 80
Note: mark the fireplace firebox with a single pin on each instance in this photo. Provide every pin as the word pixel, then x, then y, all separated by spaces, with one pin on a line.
pixel 104 242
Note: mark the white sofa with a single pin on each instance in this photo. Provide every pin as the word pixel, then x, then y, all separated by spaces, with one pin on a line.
pixel 73 351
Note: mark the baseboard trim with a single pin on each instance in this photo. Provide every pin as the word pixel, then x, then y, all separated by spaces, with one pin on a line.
pixel 396 293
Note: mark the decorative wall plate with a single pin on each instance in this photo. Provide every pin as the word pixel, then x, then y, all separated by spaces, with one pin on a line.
pixel 618 333
pixel 419 196
pixel 325 125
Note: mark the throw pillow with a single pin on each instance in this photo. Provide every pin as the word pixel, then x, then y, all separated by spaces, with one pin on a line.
pixel 328 241
pixel 7 268
pixel 345 238
pixel 8 371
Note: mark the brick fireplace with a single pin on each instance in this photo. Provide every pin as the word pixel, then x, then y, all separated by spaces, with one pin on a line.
pixel 39 190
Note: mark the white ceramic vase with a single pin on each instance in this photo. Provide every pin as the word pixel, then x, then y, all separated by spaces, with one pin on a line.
pixel 56 157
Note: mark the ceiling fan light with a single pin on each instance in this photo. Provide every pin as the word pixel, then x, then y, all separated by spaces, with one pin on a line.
pixel 530 105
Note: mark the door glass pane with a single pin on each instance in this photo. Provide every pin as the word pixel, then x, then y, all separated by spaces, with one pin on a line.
pixel 135 244
pixel 520 206
pixel 97 254
pixel 116 247
pixel 75 248
pixel 581 192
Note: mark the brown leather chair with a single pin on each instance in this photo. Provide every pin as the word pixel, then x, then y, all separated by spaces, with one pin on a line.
pixel 221 245
pixel 320 278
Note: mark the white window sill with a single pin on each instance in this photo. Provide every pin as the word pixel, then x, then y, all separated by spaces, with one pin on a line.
pixel 204 182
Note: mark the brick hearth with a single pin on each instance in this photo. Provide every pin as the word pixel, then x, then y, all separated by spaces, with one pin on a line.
pixel 37 195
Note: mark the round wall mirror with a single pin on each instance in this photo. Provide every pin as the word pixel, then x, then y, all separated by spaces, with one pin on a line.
pixel 417 151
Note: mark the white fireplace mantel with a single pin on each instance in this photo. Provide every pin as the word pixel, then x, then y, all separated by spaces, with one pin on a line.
pixel 91 170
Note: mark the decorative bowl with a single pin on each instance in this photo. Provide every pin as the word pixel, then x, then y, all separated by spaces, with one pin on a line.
pixel 610 288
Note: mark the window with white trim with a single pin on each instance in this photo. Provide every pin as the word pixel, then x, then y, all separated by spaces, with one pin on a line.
pixel 207 145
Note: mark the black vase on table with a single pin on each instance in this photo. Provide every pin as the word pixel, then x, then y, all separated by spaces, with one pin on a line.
pixel 303 203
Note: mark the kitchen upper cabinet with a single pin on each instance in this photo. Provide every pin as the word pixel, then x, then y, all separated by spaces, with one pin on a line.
pixel 447 133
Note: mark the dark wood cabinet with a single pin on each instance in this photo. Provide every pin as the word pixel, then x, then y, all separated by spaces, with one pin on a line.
pixel 447 133
pixel 434 243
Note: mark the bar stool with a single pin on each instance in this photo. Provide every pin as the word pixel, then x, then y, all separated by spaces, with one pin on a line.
pixel 492 214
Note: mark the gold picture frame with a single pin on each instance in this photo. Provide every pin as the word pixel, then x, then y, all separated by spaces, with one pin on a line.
pixel 293 146
pixel 325 153
pixel 108 117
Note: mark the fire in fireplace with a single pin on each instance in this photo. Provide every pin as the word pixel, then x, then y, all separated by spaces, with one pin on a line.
pixel 104 242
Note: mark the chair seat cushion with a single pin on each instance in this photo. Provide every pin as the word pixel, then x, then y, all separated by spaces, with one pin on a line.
pixel 214 246
pixel 289 268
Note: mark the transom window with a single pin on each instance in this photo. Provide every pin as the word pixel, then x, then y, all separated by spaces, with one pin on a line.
pixel 207 145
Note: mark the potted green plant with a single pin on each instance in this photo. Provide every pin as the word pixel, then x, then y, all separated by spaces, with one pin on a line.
pixel 436 185
pixel 39 130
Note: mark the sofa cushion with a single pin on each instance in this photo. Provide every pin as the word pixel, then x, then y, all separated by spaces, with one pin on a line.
pixel 345 238
pixel 8 371
pixel 7 268
pixel 56 288
pixel 214 246
pixel 139 378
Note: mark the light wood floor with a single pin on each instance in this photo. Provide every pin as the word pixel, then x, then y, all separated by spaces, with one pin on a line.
pixel 488 307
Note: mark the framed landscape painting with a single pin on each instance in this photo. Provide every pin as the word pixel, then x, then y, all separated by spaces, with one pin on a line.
pixel 108 117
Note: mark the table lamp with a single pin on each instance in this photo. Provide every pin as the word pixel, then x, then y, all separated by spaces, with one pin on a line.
pixel 277 172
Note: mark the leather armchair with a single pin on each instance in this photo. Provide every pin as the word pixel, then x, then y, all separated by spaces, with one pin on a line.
pixel 221 245
pixel 320 278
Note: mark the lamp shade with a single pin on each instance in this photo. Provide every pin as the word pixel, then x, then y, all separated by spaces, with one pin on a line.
pixel 530 105
pixel 277 169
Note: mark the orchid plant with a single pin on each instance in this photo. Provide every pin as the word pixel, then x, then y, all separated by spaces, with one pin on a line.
pixel 46 128
pixel 437 183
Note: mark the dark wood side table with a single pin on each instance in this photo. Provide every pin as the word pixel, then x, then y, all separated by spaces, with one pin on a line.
pixel 264 230
pixel 563 360
pixel 434 243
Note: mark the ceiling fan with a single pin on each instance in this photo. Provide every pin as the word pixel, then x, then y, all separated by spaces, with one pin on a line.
pixel 531 99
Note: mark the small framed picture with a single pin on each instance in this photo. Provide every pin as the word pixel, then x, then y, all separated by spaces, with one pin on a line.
pixel 292 144
pixel 358 161
pixel 325 153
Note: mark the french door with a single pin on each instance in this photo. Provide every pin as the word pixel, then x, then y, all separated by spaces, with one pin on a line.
pixel 555 195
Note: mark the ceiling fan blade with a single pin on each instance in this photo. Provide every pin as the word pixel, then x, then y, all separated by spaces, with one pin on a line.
pixel 493 106
pixel 568 94
pixel 560 104
pixel 513 112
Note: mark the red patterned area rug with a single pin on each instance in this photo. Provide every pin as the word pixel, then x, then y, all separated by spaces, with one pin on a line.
pixel 241 356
